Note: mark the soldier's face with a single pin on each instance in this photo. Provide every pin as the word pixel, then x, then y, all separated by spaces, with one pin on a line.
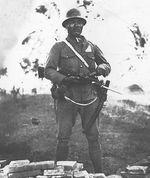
pixel 75 27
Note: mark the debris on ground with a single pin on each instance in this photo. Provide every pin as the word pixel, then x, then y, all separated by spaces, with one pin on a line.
pixel 64 169
pixel 139 169
pixel 46 169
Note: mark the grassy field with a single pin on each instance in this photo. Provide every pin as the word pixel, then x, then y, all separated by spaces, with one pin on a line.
pixel 124 131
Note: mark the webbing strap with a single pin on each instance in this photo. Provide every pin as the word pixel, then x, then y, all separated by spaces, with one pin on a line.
pixel 76 53
pixel 80 104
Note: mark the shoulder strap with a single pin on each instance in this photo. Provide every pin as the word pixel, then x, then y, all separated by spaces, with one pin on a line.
pixel 92 46
pixel 77 54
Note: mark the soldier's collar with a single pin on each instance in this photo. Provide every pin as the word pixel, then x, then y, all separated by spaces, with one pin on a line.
pixel 70 38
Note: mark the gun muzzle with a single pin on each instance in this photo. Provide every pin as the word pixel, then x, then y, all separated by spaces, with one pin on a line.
pixel 103 86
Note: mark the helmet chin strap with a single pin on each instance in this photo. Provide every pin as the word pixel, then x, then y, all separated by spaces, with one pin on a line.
pixel 75 35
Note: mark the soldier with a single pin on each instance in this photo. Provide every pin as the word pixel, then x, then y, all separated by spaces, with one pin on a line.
pixel 69 63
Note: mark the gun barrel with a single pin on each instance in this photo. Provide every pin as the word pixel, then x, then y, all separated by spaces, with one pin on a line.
pixel 103 86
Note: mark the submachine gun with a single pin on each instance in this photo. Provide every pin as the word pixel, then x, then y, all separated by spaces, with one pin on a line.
pixel 100 86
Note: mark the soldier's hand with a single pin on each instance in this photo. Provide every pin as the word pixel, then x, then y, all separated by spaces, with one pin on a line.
pixel 100 71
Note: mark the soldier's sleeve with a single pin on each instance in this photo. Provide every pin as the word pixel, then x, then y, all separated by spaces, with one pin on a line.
pixel 52 64
pixel 101 61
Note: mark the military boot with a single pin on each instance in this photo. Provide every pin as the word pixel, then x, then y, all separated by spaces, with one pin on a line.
pixel 62 151
pixel 95 154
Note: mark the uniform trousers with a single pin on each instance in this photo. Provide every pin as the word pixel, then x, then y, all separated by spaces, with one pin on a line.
pixel 66 113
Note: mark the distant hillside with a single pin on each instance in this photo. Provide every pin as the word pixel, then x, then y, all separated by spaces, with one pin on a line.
pixel 28 130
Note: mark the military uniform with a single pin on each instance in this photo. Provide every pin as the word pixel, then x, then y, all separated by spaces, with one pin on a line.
pixel 62 61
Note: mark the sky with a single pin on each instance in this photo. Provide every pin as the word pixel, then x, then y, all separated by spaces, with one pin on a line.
pixel 13 14
pixel 18 18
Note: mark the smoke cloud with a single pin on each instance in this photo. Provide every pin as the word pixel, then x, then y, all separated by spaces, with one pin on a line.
pixel 13 15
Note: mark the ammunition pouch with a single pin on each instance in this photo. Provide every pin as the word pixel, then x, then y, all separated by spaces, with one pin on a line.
pixel 41 72
pixel 58 92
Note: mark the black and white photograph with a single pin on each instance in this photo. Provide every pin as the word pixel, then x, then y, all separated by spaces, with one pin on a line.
pixel 74 89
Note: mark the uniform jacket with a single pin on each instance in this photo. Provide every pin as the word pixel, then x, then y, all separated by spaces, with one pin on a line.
pixel 62 60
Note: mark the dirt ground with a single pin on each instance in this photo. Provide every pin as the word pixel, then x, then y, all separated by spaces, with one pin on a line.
pixel 28 131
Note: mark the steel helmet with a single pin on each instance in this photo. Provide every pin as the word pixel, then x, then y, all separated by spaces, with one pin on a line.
pixel 73 14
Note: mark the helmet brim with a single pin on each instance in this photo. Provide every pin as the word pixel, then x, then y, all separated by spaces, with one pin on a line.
pixel 65 22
